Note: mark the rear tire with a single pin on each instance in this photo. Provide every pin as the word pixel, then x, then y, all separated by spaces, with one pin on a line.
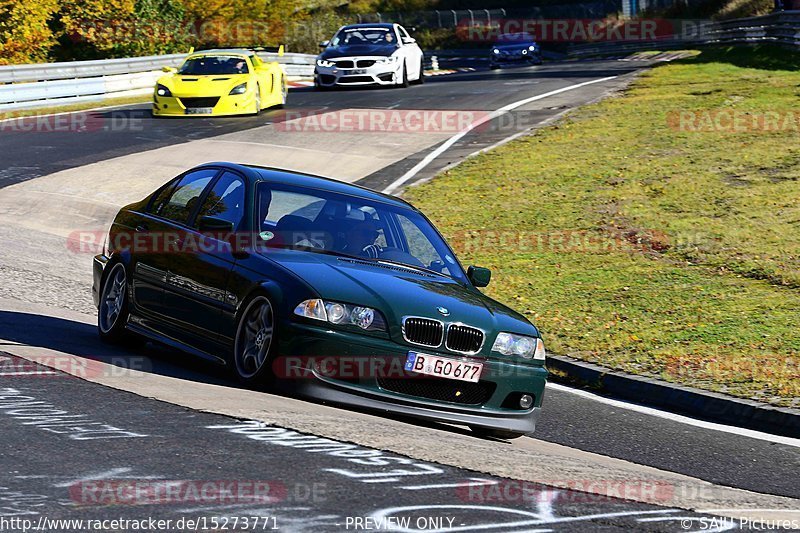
pixel 495 433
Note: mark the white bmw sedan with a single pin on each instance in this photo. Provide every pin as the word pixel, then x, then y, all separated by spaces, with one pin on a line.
pixel 369 54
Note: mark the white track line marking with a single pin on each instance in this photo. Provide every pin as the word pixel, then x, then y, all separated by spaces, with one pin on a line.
pixel 778 439
pixel 399 182
pixel 473 482
pixel 27 373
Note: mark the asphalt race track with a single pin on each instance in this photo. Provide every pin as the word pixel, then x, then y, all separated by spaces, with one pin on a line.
pixel 160 420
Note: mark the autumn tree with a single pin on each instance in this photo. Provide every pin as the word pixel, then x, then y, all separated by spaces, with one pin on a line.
pixel 24 34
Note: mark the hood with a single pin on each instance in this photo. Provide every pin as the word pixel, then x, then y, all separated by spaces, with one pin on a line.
pixel 398 292
pixel 211 85
pixel 355 50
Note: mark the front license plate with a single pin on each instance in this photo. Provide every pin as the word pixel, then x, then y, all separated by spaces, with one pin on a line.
pixel 443 367
pixel 199 110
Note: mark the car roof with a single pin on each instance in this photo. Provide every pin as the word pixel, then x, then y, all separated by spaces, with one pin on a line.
pixel 222 52
pixel 299 179
pixel 386 25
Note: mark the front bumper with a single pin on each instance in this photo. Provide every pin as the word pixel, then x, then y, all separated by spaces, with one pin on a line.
pixel 191 106
pixel 492 403
pixel 377 74
pixel 99 263
pixel 515 58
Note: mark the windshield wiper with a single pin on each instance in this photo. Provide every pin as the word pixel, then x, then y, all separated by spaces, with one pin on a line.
pixel 406 265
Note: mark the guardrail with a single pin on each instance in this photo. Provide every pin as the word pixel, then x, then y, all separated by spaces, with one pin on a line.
pixel 782 28
pixel 51 84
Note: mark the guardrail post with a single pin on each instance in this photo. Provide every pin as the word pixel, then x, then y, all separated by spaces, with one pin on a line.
pixel 455 22
pixel 434 63
pixel 439 18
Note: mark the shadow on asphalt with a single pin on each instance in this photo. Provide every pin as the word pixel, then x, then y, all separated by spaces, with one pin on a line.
pixel 80 339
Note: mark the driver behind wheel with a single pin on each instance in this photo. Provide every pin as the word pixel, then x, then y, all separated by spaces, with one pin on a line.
pixel 361 236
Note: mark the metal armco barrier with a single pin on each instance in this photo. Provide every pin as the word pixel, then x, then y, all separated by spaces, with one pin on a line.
pixel 782 28
pixel 51 84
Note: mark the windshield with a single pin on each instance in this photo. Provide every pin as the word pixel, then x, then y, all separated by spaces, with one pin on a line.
pixel 356 36
pixel 324 222
pixel 200 66
pixel 511 38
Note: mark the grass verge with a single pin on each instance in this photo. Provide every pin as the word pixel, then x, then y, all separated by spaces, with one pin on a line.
pixel 647 234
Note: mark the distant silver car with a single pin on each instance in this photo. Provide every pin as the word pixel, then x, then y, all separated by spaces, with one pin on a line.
pixel 369 54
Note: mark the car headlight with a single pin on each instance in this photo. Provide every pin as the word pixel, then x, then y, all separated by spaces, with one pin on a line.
pixel 519 345
pixel 386 60
pixel 161 90
pixel 342 314
pixel 532 48
pixel 325 63
pixel 239 89
pixel 495 51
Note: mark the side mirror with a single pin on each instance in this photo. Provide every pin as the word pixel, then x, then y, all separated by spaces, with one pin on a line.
pixel 479 276
pixel 324 44
pixel 214 225
pixel 169 70
pixel 409 40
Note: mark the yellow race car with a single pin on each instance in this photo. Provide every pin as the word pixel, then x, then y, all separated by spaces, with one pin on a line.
pixel 220 82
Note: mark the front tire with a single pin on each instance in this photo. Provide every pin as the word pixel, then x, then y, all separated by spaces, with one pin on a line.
pixel 258 100
pixel 421 79
pixel 403 77
pixel 255 333
pixel 284 93
pixel 112 313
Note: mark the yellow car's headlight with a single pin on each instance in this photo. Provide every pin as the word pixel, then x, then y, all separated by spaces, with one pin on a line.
pixel 239 89
pixel 162 90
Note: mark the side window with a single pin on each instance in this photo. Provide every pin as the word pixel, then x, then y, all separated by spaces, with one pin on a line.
pixel 418 244
pixel 163 195
pixel 178 206
pixel 403 33
pixel 225 201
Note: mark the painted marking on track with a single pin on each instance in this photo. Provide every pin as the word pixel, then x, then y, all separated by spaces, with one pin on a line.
pixel 29 411
pixel 753 434
pixel 428 159
pixel 114 473
pixel 471 482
